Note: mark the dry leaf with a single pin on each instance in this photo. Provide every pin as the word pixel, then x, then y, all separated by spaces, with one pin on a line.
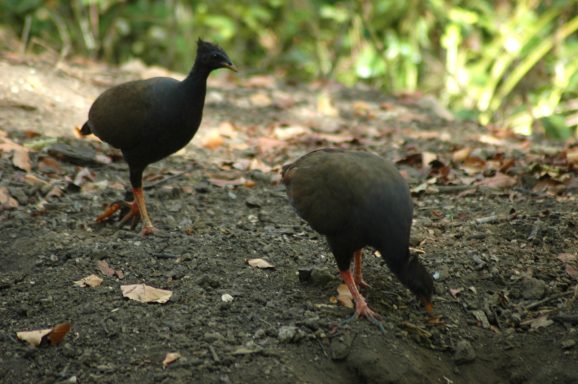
pixel 427 158
pixel 290 132
pixel 58 332
pixel 53 335
pixel 33 338
pixel 461 154
pixel 540 322
pixel 472 164
pixel 89 281
pixel 344 296
pixel 570 271
pixel 213 139
pixel 572 157
pixel 499 181
pixel 170 358
pixel 105 268
pixel 21 160
pixel 6 200
pixel 260 99
pixel 566 257
pixel 225 182
pixel 260 263
pixel 455 292
pixel 325 105
pixel 146 294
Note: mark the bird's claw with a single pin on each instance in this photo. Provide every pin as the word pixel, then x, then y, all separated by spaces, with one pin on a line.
pixel 361 283
pixel 372 316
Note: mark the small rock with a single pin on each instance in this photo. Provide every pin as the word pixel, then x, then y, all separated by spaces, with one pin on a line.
pixel 532 288
pixel 321 276
pixel 441 273
pixel 253 202
pixel 340 347
pixel 213 336
pixel 287 333
pixel 568 344
pixel 464 353
pixel 305 274
pixel 227 298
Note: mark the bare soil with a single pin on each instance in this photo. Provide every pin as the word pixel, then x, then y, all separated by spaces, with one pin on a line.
pixel 504 259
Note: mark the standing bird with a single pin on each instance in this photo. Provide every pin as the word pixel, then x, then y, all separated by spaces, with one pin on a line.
pixel 151 119
pixel 358 199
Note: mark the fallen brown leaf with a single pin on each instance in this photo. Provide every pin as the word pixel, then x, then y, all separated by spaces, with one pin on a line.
pixel 58 332
pixel 499 181
pixel 461 154
pixel 344 296
pixel 225 182
pixel 6 200
pixel 89 281
pixel 566 257
pixel 570 271
pixel 170 358
pixel 260 99
pixel 145 294
pixel 105 268
pixel 54 335
pixel 259 263
pixel 572 157
pixel 472 164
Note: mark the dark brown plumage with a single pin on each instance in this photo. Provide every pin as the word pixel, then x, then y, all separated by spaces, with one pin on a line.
pixel 151 119
pixel 358 199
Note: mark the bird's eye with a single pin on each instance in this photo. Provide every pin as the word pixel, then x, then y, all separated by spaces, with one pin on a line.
pixel 215 55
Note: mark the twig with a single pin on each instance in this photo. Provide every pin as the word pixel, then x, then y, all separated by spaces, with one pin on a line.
pixel 214 354
pixel 572 319
pixel 547 299
pixel 416 329
pixel 162 181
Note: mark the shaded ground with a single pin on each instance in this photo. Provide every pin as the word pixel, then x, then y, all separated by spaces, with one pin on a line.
pixel 504 256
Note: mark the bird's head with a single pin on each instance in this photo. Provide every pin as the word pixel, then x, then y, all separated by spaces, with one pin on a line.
pixel 419 281
pixel 212 56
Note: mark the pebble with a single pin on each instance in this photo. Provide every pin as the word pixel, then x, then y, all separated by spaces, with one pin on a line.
pixel 532 288
pixel 340 347
pixel 287 333
pixel 464 353
pixel 568 344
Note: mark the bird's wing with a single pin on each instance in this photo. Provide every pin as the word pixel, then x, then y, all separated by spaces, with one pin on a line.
pixel 319 194
pixel 121 115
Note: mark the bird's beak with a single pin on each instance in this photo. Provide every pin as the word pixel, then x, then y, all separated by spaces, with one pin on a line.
pixel 428 305
pixel 229 65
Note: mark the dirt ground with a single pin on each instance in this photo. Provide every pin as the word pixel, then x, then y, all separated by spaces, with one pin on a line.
pixel 503 255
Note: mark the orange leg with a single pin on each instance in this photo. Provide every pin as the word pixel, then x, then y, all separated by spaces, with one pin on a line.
pixel 137 209
pixel 357 275
pixel 361 307
pixel 148 228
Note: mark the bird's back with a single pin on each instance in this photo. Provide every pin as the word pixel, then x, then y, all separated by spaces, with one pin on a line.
pixel 351 194
pixel 143 118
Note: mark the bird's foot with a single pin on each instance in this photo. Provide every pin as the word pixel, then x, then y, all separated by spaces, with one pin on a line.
pixel 363 310
pixel 110 210
pixel 148 230
pixel 361 283
pixel 133 215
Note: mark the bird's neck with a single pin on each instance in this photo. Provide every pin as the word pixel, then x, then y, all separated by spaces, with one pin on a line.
pixel 196 85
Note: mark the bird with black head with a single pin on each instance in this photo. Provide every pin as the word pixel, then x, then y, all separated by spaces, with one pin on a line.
pixel 358 199
pixel 151 119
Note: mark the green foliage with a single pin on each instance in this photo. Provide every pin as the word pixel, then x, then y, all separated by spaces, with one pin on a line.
pixel 507 63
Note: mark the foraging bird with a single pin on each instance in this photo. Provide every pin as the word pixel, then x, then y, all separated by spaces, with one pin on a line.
pixel 151 119
pixel 358 199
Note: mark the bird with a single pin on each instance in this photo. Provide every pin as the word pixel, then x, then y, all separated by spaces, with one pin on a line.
pixel 151 119
pixel 358 199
